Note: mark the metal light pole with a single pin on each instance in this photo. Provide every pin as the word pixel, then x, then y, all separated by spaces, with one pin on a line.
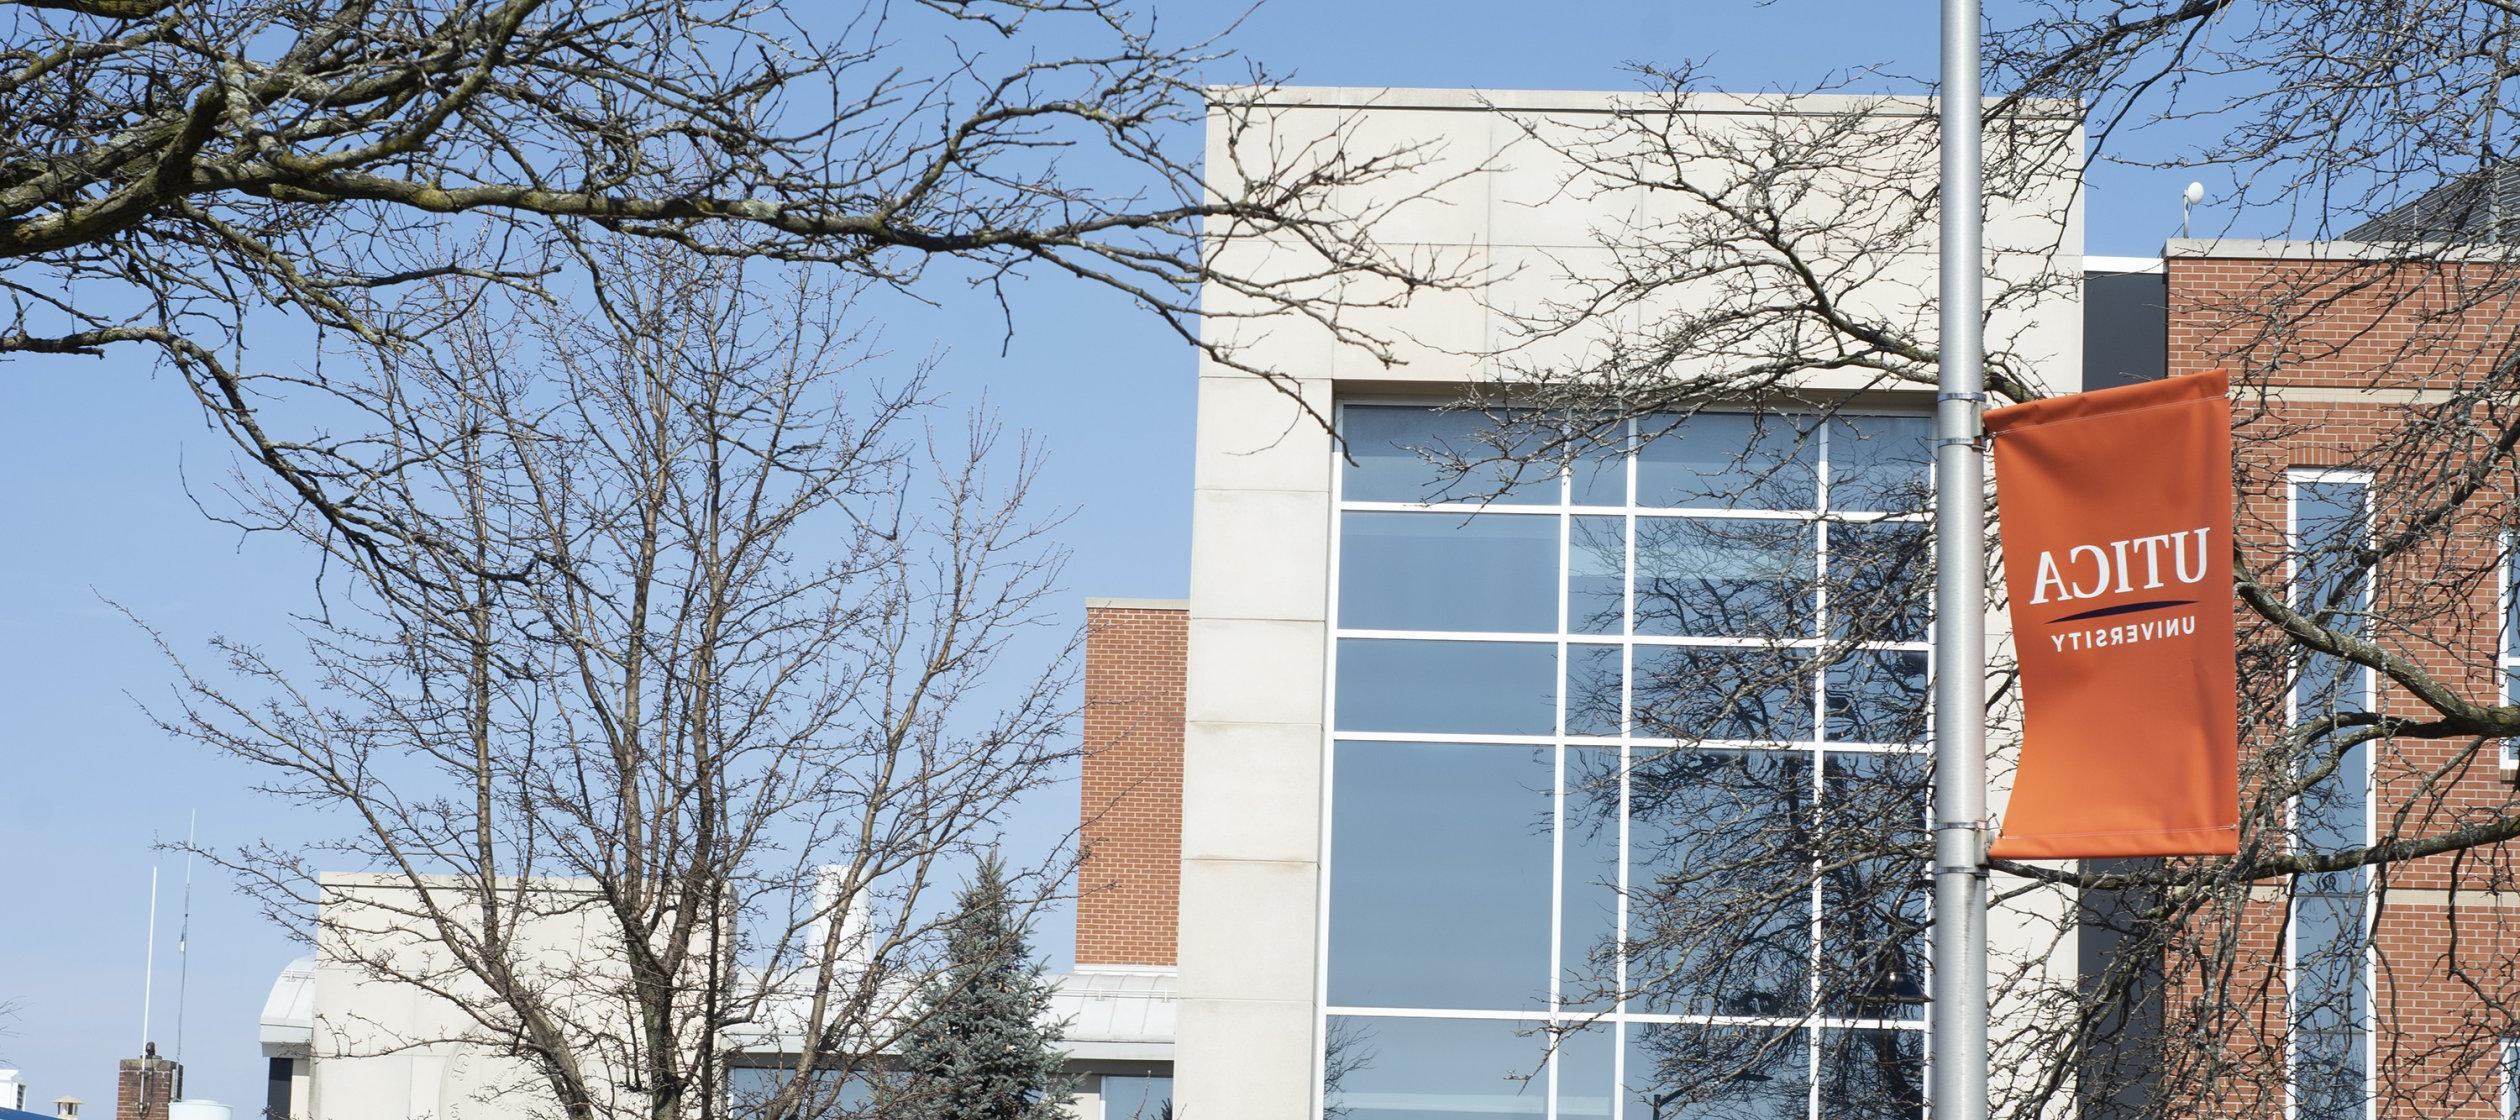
pixel 1959 981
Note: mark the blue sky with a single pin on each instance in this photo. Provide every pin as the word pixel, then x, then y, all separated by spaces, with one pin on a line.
pixel 96 455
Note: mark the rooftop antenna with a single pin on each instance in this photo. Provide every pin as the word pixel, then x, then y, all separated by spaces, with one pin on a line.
pixel 183 936
pixel 148 969
pixel 2195 193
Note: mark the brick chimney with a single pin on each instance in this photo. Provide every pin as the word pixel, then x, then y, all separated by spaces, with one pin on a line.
pixel 146 1086
pixel 1129 882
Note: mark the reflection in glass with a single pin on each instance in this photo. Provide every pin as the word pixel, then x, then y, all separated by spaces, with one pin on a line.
pixel 1593 678
pixel 1448 571
pixel 1690 1071
pixel 1881 464
pixel 2331 989
pixel 1439 882
pixel 1881 581
pixel 1872 1074
pixel 1411 454
pixel 1719 881
pixel 750 1089
pixel 1721 692
pixel 1459 867
pixel 1726 460
pixel 1724 577
pixel 1501 688
pixel 1378 1068
pixel 1585 1081
pixel 1136 1097
pixel 1588 976
pixel 1599 476
pixel 1596 576
pixel 1874 912
pixel 1877 696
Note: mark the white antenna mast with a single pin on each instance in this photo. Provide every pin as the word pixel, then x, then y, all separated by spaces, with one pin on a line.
pixel 148 971
pixel 183 936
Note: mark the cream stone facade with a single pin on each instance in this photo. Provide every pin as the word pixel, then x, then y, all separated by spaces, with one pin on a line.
pixel 1253 884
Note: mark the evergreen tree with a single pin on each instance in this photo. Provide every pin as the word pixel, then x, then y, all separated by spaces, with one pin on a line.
pixel 985 1047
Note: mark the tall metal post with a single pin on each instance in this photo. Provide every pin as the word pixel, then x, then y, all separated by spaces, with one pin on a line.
pixel 1959 977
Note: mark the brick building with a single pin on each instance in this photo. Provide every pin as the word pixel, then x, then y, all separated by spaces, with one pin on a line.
pixel 2370 393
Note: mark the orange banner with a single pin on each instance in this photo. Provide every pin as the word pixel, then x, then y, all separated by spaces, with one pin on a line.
pixel 2115 511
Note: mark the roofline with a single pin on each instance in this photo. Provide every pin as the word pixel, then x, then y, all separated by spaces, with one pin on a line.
pixel 1112 603
pixel 2403 252
pixel 1603 101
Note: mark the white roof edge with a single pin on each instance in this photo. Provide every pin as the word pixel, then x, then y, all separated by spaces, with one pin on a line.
pixel 1594 101
pixel 2241 248
pixel 1118 1051
pixel 286 1027
pixel 2093 264
pixel 1118 603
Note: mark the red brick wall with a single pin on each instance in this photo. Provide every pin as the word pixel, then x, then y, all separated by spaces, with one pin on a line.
pixel 145 1086
pixel 1129 882
pixel 2445 983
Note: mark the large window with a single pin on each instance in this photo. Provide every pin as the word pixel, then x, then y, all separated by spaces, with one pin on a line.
pixel 1626 752
pixel 2330 922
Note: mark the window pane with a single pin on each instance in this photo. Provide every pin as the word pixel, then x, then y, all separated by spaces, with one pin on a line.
pixel 1376 1068
pixel 1700 692
pixel 1872 1074
pixel 1881 581
pixel 1588 977
pixel 1136 1097
pixel 2329 524
pixel 1448 571
pixel 1874 912
pixel 1585 1082
pixel 2331 999
pixel 1593 689
pixel 1410 454
pixel 1439 883
pixel 1501 688
pixel 2511 595
pixel 750 1089
pixel 1724 577
pixel 1600 476
pixel 1688 1071
pixel 1881 463
pixel 1726 461
pixel 1596 576
pixel 1719 881
pixel 1877 696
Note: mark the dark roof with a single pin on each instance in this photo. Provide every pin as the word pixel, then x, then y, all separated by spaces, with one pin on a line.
pixel 2478 208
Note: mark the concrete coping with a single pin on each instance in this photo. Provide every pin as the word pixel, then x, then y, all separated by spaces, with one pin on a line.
pixel 2402 252
pixel 1106 602
pixel 1604 101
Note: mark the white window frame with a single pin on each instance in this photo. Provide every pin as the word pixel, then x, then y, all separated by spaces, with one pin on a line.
pixel 2507 1077
pixel 2294 478
pixel 1560 741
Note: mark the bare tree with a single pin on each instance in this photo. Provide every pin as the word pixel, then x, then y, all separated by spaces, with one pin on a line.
pixel 770 663
pixel 202 178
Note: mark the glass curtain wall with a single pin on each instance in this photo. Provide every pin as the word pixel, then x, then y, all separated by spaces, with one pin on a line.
pixel 1626 755
pixel 2330 943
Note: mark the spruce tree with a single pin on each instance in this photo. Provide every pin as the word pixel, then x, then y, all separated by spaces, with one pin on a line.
pixel 984 1047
